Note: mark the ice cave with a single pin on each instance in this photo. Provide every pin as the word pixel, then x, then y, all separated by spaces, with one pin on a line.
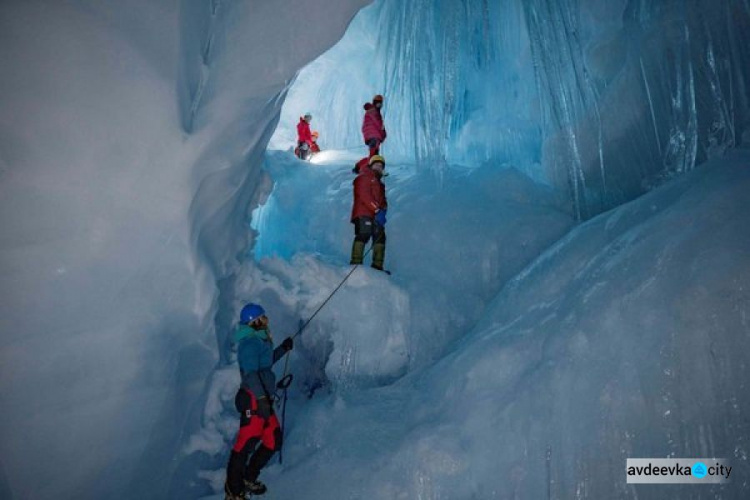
pixel 568 188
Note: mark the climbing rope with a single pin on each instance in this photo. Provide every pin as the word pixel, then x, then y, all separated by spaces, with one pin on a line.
pixel 284 384
pixel 304 325
pixel 286 380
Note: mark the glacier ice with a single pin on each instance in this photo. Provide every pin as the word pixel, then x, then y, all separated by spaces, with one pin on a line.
pixel 117 224
pixel 511 354
pixel 603 100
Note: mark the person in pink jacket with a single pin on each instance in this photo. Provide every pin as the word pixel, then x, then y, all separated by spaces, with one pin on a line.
pixel 373 130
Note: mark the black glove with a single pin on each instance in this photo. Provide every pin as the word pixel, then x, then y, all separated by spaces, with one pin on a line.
pixel 288 344
pixel 265 408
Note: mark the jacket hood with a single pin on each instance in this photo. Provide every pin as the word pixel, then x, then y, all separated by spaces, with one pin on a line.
pixel 368 106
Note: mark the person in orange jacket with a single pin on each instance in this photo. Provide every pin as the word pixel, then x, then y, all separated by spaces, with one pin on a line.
pixel 314 148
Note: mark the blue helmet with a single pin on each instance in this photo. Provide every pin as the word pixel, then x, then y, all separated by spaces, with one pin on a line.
pixel 251 312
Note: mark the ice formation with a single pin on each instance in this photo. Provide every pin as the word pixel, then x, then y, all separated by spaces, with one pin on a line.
pixel 567 235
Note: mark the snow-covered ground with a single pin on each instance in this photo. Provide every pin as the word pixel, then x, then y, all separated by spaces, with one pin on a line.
pixel 627 338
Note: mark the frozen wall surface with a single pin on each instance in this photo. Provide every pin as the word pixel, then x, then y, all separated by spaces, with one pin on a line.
pixel 130 138
pixel 633 91
pixel 602 99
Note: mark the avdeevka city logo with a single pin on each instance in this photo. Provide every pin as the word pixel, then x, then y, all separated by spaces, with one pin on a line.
pixel 699 470
pixel 678 470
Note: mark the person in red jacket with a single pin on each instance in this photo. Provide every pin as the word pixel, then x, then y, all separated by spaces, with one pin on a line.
pixel 369 213
pixel 304 137
pixel 373 130
pixel 314 148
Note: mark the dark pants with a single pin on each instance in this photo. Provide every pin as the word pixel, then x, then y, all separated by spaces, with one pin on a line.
pixel 366 228
pixel 254 428
pixel 374 145
pixel 303 150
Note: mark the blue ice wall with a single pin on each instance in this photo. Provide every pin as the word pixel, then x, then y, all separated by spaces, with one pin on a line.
pixel 131 136
pixel 602 99
pixel 457 76
pixel 633 91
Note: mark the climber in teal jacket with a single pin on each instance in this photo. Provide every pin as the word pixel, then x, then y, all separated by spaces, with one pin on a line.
pixel 254 400
pixel 256 356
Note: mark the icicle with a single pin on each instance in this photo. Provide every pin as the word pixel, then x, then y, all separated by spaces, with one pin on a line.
pixel 692 128
pixel 651 107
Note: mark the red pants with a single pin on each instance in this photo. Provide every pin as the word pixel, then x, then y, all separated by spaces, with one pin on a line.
pixel 253 425
pixel 262 428
pixel 253 428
